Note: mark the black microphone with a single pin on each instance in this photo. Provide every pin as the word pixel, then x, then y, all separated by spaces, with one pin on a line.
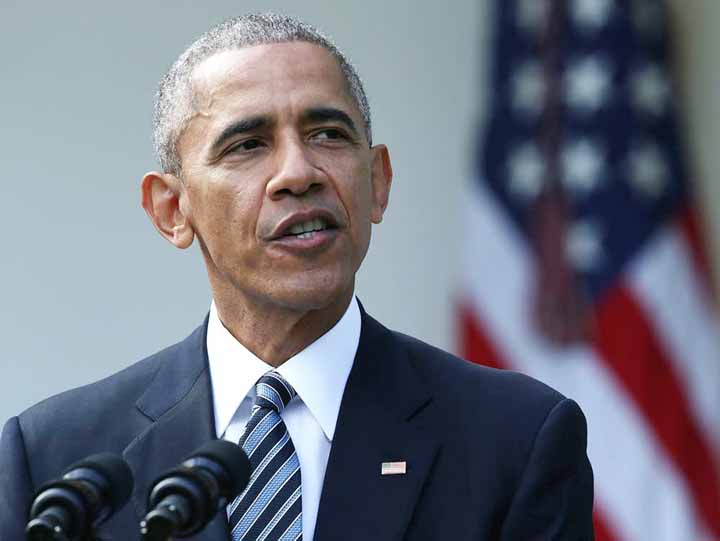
pixel 184 500
pixel 88 493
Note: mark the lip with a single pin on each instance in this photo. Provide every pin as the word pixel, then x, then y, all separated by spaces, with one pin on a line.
pixel 281 230
pixel 318 242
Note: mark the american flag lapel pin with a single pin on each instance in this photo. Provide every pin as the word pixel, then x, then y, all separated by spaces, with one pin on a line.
pixel 393 468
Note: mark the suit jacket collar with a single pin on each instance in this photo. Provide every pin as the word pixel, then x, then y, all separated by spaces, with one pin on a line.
pixel 380 420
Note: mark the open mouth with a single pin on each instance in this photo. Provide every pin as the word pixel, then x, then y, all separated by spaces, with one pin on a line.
pixel 308 229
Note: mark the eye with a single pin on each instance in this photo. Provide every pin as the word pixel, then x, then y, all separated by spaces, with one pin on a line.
pixel 246 145
pixel 330 134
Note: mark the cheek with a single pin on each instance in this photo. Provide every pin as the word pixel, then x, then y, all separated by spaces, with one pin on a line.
pixel 225 209
pixel 361 196
pixel 357 196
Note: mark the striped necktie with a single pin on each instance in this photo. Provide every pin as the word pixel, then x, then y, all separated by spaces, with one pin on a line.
pixel 270 508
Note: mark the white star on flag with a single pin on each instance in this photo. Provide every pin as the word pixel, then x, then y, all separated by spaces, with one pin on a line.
pixel 533 15
pixel 582 165
pixel 651 90
pixel 526 169
pixel 649 172
pixel 583 246
pixel 592 15
pixel 529 89
pixel 587 84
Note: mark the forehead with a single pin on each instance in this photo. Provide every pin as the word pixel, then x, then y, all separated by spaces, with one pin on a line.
pixel 268 76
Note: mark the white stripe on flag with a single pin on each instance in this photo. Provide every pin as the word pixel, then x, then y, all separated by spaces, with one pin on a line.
pixel 642 493
pixel 665 282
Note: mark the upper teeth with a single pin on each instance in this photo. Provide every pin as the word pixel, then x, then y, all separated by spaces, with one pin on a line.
pixel 318 224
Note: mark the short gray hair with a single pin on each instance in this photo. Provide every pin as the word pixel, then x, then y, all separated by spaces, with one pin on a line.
pixel 174 98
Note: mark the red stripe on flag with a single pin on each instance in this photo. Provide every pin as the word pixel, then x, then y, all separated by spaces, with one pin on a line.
pixel 628 344
pixel 691 226
pixel 601 525
pixel 475 344
pixel 479 348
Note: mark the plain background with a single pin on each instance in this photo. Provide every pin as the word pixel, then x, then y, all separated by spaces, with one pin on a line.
pixel 88 287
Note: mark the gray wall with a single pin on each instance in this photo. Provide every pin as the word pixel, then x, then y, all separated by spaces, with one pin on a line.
pixel 698 66
pixel 87 287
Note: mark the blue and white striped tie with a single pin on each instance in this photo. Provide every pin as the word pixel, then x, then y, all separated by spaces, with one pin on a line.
pixel 270 508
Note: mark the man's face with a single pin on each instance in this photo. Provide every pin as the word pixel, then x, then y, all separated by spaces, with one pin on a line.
pixel 279 183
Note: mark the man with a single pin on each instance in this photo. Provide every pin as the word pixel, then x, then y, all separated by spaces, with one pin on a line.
pixel 264 136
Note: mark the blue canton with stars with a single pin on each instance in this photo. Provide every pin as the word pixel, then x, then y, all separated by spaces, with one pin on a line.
pixel 582 107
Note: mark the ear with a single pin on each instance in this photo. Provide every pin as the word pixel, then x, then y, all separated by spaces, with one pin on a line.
pixel 161 196
pixel 381 181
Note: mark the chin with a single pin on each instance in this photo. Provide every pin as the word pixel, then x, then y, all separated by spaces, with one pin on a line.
pixel 313 294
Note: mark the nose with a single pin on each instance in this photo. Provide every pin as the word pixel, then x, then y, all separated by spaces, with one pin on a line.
pixel 296 174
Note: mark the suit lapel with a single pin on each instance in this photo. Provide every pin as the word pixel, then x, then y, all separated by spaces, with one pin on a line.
pixel 378 422
pixel 179 402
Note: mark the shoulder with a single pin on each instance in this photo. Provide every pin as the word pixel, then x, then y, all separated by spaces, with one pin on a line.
pixel 470 392
pixel 450 376
pixel 98 417
pixel 496 420
pixel 94 400
pixel 123 388
pixel 514 408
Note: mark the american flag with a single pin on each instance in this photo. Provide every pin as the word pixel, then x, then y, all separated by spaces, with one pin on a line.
pixel 583 264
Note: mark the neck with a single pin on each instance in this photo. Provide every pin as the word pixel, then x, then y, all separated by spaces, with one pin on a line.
pixel 275 333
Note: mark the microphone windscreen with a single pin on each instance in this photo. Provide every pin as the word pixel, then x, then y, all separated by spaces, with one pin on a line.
pixel 232 458
pixel 116 471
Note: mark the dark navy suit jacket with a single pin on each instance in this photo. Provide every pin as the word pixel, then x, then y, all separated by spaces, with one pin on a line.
pixel 490 455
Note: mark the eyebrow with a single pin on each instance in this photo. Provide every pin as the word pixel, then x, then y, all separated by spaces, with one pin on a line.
pixel 239 127
pixel 323 114
pixel 313 114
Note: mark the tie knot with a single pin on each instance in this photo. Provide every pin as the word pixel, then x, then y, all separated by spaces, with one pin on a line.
pixel 273 392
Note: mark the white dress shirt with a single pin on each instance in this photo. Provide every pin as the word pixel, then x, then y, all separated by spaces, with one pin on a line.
pixel 318 374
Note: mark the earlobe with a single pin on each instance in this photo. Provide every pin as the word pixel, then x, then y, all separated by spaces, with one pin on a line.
pixel 381 182
pixel 161 196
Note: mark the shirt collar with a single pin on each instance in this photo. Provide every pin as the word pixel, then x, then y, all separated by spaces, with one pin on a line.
pixel 318 373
